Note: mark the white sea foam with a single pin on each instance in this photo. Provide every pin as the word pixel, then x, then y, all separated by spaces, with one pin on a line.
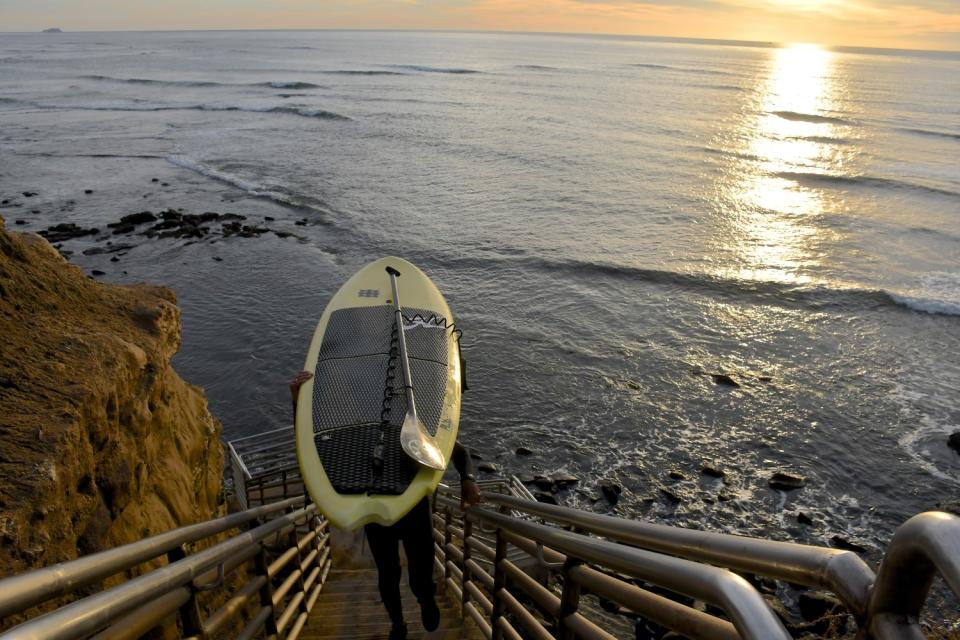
pixel 249 186
pixel 938 292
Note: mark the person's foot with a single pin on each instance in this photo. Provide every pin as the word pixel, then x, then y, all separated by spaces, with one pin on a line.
pixel 398 631
pixel 429 614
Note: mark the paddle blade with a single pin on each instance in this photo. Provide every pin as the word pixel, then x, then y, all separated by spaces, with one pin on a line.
pixel 418 444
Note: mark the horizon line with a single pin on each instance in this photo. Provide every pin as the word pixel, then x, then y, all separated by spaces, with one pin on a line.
pixel 715 41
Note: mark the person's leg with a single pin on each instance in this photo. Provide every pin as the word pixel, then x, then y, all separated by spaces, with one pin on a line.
pixel 417 534
pixel 386 553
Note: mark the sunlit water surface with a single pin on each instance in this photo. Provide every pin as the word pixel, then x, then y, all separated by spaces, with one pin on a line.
pixel 612 220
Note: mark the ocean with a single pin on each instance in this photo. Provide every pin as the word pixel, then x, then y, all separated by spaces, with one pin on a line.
pixel 616 222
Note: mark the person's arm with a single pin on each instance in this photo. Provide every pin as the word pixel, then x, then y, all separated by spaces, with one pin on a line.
pixel 469 490
pixel 295 385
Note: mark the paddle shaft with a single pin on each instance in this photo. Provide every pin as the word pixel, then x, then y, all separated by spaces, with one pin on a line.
pixel 404 360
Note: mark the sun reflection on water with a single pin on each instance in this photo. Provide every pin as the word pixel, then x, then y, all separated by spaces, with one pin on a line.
pixel 772 231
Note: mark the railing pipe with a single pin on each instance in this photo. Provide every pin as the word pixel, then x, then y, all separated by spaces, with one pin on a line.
pixel 138 622
pixel 499 582
pixel 91 614
pixel 687 621
pixel 842 572
pixel 750 613
pixel 28 589
pixel 921 547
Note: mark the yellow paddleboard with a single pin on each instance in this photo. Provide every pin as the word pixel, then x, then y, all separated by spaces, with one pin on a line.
pixel 349 415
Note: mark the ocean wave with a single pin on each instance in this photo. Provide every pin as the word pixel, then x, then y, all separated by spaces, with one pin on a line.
pixel 666 67
pixel 256 189
pixel 294 84
pixel 535 67
pixel 937 293
pixel 830 179
pixel 151 81
pixel 930 132
pixel 820 139
pixel 425 69
pixel 362 72
pixel 306 112
pixel 728 153
pixel 810 117
pixel 926 305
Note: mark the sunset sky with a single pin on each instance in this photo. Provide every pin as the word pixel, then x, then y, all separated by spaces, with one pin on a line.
pixel 920 24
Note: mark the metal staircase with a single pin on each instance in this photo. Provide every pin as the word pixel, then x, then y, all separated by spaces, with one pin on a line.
pixel 510 568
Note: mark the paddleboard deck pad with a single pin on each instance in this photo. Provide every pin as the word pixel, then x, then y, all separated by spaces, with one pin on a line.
pixel 350 414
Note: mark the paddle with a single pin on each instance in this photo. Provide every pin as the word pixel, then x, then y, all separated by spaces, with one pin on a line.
pixel 414 438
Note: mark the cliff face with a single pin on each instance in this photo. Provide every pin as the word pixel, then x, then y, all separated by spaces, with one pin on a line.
pixel 101 442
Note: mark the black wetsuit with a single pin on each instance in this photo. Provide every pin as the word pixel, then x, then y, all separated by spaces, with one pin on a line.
pixel 415 530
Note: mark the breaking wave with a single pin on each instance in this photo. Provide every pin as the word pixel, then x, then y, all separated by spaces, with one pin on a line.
pixel 254 188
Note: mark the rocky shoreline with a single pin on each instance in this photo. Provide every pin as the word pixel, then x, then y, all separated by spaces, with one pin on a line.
pixel 129 231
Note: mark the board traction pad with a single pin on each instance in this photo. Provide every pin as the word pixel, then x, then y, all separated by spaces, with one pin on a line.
pixel 348 396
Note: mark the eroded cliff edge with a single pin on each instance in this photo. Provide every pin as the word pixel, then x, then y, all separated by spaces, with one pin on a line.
pixel 101 442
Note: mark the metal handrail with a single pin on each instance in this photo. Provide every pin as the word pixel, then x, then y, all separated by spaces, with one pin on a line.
pixel 86 616
pixel 749 612
pixel 25 590
pixel 842 572
pixel 921 547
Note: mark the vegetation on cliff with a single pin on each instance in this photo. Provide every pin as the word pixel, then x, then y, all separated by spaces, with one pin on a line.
pixel 101 442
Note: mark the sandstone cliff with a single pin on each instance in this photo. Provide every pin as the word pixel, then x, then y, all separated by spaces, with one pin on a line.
pixel 101 442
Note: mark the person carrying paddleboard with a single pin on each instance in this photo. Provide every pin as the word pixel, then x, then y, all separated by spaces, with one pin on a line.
pixel 415 530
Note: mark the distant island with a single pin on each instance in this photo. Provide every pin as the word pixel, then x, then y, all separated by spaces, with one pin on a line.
pixel 53 30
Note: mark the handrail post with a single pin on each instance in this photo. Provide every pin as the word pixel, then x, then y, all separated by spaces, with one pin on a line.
pixel 189 612
pixel 569 599
pixel 447 540
pixel 295 541
pixel 266 591
pixel 465 571
pixel 499 582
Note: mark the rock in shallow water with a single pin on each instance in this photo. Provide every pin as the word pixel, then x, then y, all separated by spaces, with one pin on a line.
pixel 711 470
pixel 723 379
pixel 785 481
pixel 66 231
pixel 611 491
pixel 954 441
